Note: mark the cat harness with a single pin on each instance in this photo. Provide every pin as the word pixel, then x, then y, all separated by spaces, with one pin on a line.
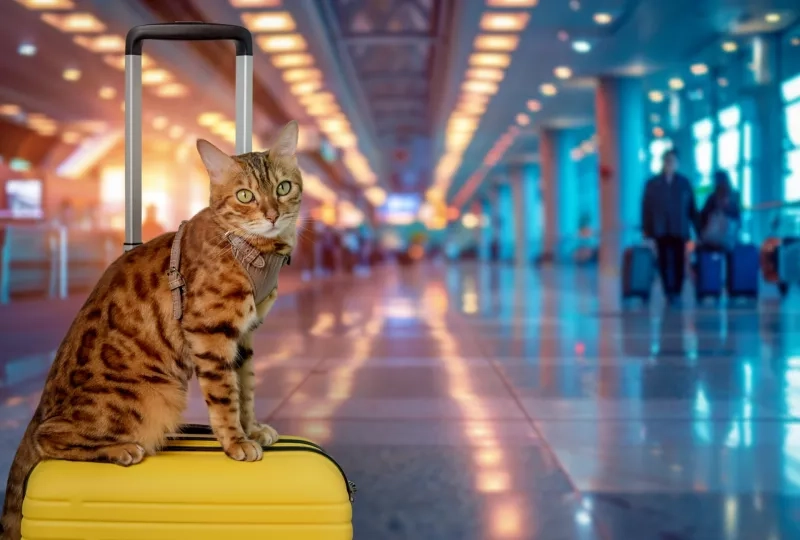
pixel 261 268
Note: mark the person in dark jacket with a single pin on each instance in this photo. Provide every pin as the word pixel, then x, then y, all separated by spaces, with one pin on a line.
pixel 724 199
pixel 669 213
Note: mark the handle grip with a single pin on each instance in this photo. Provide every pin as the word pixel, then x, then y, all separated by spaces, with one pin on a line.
pixel 189 31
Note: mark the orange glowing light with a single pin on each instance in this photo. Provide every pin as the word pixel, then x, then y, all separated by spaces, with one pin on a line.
pixel 453 213
pixel 488 457
pixel 501 42
pixel 283 61
pixel 504 22
pixel 486 74
pixel 270 21
pixel 109 43
pixel 493 481
pixel 490 60
pixel 281 43
pixel 74 22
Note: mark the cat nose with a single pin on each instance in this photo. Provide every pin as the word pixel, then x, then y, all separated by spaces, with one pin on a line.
pixel 272 219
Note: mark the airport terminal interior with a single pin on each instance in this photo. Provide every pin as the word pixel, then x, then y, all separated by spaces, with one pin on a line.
pixel 459 325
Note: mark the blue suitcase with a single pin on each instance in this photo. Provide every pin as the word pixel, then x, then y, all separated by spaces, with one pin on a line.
pixel 638 272
pixel 743 272
pixel 709 274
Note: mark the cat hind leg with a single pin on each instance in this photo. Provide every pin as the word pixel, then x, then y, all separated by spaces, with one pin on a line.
pixel 58 438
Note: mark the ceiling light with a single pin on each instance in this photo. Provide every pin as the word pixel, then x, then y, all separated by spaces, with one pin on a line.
pixel 303 88
pixel 548 89
pixel 71 74
pixel 676 83
pixel 534 105
pixel 283 61
pixel 658 132
pixel 47 4
pixel 562 72
pixel 480 87
pixel 512 3
pixel 270 21
pixel 26 49
pixel 208 119
pixel 301 74
pixel 92 126
pixel 523 119
pixel 74 22
pixel 562 35
pixel 334 125
pixel 602 18
pixel 118 61
pixel 722 81
pixel 574 5
pixel 319 97
pixel 107 43
pixel 655 118
pixel 471 108
pixel 462 123
pixel 772 18
pixel 504 22
pixel 160 122
pixel 155 76
pixel 255 3
pixel 172 90
pixel 107 92
pixel 487 42
pixel 655 96
pixel 281 43
pixel 699 69
pixel 490 60
pixel 175 132
pixel 70 137
pixel 581 46
pixel 795 41
pixel 486 74
pixel 322 109
pixel 729 46
pixel 343 140
pixel 9 109
pixel 375 195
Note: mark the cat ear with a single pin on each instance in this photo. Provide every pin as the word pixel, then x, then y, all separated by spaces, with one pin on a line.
pixel 217 162
pixel 285 144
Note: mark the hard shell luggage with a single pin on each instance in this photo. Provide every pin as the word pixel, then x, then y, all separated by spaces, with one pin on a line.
pixel 742 272
pixel 193 490
pixel 709 273
pixel 638 272
pixel 789 263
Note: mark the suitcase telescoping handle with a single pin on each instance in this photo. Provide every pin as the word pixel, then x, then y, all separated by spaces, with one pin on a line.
pixel 178 31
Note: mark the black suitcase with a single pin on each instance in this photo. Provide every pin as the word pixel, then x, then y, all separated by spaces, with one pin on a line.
pixel 638 272
pixel 743 272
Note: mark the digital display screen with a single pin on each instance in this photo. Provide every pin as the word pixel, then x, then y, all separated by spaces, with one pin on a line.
pixel 24 198
pixel 400 208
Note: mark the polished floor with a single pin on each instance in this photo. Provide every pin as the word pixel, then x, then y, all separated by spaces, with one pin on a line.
pixel 477 402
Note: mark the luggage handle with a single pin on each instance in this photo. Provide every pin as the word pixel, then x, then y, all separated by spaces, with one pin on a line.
pixel 177 31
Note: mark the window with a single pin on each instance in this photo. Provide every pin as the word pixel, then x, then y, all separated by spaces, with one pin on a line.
pixel 791 95
pixel 734 151
pixel 657 148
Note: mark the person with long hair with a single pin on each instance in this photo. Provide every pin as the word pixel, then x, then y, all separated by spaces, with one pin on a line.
pixel 720 218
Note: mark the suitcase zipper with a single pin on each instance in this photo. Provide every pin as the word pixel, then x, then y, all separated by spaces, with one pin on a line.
pixel 195 432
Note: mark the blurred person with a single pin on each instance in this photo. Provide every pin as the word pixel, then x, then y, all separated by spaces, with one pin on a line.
pixel 151 228
pixel 720 218
pixel 668 214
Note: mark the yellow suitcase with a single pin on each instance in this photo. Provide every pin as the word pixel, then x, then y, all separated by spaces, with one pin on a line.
pixel 193 490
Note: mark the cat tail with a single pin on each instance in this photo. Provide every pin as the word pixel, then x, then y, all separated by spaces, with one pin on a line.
pixel 25 460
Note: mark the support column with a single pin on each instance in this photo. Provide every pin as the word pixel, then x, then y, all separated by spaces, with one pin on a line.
pixel 486 230
pixel 521 241
pixel 765 106
pixel 559 192
pixel 505 221
pixel 619 103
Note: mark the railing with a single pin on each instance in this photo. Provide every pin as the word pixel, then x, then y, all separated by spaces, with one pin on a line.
pixel 49 260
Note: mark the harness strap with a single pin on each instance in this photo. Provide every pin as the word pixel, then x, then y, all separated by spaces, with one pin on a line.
pixel 176 281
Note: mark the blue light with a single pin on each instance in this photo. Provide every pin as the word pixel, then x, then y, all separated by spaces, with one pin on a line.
pixel 581 46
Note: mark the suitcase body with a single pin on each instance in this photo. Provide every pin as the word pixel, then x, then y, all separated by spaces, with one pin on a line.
pixel 193 490
pixel 709 273
pixel 638 272
pixel 789 262
pixel 742 275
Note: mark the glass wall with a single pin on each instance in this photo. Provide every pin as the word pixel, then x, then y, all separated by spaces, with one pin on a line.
pixel 791 96
pixel 658 146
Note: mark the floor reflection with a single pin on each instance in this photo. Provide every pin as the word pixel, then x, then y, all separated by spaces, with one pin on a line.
pixel 493 402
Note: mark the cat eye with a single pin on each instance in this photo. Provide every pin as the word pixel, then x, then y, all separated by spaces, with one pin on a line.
pixel 245 196
pixel 284 188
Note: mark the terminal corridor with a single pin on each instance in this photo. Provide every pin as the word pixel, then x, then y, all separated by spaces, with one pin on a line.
pixel 475 402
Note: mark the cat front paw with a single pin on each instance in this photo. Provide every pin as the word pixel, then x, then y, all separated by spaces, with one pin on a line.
pixel 264 434
pixel 125 454
pixel 243 450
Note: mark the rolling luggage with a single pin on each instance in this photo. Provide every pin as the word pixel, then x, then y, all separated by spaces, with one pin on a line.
pixel 789 264
pixel 638 272
pixel 709 274
pixel 742 272
pixel 191 489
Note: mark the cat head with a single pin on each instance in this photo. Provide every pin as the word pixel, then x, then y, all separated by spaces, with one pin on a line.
pixel 257 193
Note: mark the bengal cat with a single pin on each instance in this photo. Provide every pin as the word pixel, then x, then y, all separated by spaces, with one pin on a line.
pixel 119 380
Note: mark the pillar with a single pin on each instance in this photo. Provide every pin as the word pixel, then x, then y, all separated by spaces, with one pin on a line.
pixel 559 189
pixel 619 103
pixel 522 246
pixel 764 104
pixel 505 220
pixel 486 230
